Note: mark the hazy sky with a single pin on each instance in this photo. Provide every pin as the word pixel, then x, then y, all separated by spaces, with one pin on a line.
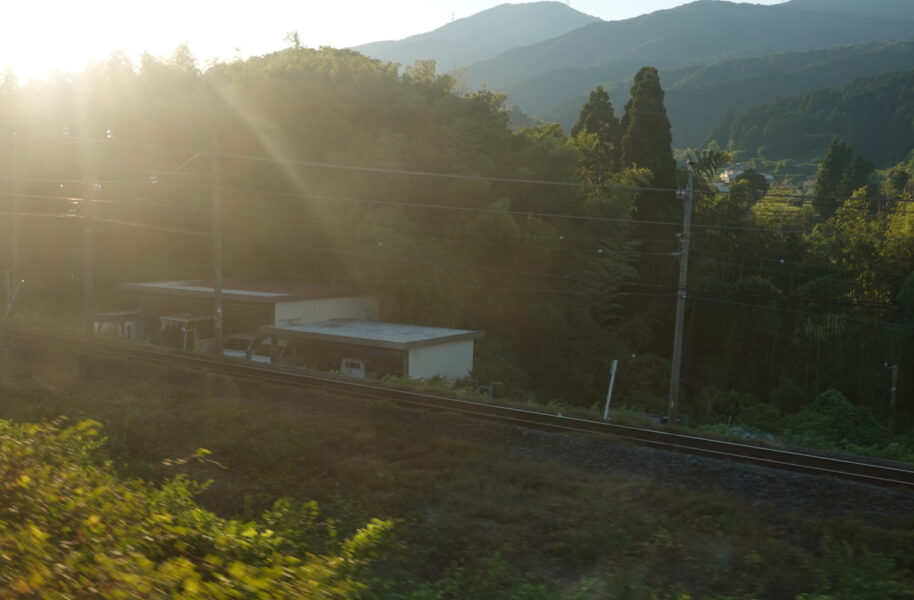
pixel 38 35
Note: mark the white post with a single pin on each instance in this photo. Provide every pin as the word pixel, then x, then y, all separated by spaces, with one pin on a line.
pixel 609 393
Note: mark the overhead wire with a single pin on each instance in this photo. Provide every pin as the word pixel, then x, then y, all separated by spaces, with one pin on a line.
pixel 198 151
pixel 803 312
pixel 464 208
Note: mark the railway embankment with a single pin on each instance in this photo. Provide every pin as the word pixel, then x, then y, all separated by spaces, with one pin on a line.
pixel 501 509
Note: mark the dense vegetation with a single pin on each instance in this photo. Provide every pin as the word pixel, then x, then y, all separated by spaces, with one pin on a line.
pixel 474 511
pixel 333 167
pixel 69 528
pixel 558 247
pixel 872 115
pixel 700 95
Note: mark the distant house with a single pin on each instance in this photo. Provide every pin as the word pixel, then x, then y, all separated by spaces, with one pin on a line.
pixel 729 174
pixel 368 348
pixel 247 305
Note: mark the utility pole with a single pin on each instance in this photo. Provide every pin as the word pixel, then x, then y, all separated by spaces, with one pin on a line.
pixel 680 300
pixel 217 248
pixel 89 206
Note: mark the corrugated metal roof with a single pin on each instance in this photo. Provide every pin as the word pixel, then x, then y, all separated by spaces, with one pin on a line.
pixel 373 333
pixel 246 291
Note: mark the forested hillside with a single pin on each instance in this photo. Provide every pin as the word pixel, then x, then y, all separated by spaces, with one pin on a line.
pixel 714 57
pixel 892 9
pixel 568 246
pixel 561 248
pixel 699 95
pixel 874 115
pixel 479 249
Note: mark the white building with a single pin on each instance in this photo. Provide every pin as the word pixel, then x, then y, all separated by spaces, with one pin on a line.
pixel 368 348
pixel 246 305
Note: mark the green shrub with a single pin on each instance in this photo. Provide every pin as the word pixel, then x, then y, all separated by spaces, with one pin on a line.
pixel 831 420
pixel 70 529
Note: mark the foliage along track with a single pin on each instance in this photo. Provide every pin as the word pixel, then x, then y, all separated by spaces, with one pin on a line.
pixel 841 467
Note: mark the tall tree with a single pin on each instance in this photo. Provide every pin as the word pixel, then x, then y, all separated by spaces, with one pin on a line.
pixel 757 184
pixel 647 143
pixel 646 135
pixel 840 174
pixel 598 117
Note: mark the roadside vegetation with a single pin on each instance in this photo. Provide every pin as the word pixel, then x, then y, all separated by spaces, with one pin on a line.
pixel 448 515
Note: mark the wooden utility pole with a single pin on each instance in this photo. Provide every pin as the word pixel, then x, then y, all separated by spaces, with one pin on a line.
pixel 680 301
pixel 217 249
pixel 88 215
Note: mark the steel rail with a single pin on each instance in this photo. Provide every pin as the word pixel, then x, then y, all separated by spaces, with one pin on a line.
pixel 839 467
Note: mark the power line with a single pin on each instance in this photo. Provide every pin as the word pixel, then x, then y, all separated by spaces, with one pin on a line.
pixel 803 312
pixel 195 152
pixel 39 215
pixel 448 284
pixel 789 297
pixel 343 253
pixel 472 209
pixel 155 227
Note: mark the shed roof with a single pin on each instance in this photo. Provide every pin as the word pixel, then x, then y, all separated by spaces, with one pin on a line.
pixel 245 291
pixel 395 336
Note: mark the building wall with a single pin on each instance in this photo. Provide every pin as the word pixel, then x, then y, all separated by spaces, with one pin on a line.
pixel 452 360
pixel 300 312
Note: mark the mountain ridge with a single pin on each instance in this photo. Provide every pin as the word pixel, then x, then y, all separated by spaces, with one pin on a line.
pixel 699 96
pixel 481 36
pixel 701 31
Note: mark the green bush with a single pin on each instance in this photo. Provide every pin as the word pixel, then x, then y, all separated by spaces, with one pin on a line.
pixel 832 421
pixel 766 417
pixel 70 529
pixel 849 574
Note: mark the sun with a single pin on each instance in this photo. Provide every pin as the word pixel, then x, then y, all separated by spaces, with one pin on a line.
pixel 46 36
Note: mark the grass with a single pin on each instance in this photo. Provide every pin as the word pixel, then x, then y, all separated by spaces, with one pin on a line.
pixel 476 519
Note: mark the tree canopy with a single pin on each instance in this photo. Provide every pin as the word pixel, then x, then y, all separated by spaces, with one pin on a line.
pixel 598 117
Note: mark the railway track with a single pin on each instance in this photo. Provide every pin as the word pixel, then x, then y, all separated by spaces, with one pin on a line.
pixel 831 466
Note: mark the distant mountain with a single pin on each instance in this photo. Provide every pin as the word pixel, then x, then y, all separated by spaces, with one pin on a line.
pixel 703 31
pixel 875 116
pixel 483 35
pixel 699 96
pixel 886 9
